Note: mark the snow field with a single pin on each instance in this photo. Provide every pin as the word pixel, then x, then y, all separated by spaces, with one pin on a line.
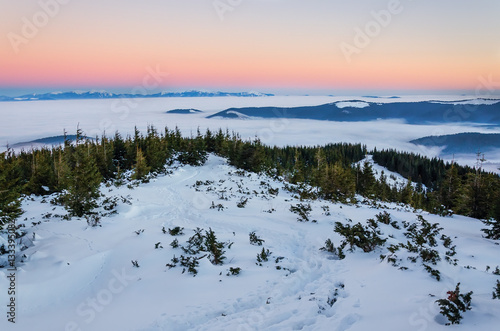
pixel 75 277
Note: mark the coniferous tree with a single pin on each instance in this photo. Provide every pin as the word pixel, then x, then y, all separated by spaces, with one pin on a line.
pixel 319 172
pixel 477 196
pixel 120 153
pixel 382 188
pixel 407 193
pixel 10 202
pixel 84 180
pixel 452 195
pixel 341 184
pixel 251 156
pixel 42 179
pixel 61 170
pixel 141 169
pixel 156 152
pixel 103 153
pixel 298 169
pixel 366 180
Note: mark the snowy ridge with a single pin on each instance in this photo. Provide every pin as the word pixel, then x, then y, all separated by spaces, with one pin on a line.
pixel 76 275
pixel 392 178
pixel 352 104
pixel 102 94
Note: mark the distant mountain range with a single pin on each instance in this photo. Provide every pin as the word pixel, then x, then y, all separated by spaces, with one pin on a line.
pixel 75 95
pixel 470 142
pixel 486 111
pixel 47 141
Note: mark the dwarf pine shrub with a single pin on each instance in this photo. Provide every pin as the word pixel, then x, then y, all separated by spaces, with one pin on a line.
pixel 454 304
pixel 330 248
pixel 302 210
pixel 496 291
pixel 263 256
pixel 359 236
pixel 176 231
pixel 255 240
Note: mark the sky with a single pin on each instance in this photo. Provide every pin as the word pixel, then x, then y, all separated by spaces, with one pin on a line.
pixel 288 46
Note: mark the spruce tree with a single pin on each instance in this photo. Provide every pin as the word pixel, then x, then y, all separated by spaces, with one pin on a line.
pixel 298 169
pixel 382 188
pixel 452 193
pixel 156 152
pixel 319 172
pixel 366 181
pixel 83 182
pixel 407 193
pixel 42 173
pixel 10 202
pixel 141 168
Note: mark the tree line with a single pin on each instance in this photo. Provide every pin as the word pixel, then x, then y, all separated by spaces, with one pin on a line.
pixel 76 169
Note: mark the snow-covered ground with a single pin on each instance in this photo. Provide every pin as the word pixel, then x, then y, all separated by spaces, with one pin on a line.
pixel 76 277
pixel 392 178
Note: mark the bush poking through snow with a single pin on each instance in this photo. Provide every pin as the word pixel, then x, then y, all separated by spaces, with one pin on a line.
pixel 421 245
pixel 214 248
pixel 93 220
pixel 496 291
pixel 175 243
pixel 326 210
pixel 360 236
pixel 200 242
pixel 194 243
pixel 189 263
pixel 219 206
pixel 242 203
pixel 422 232
pixel 3 250
pixel 331 301
pixel 255 240
pixel 493 232
pixel 303 210
pixel 330 248
pixel 434 272
pixel 454 304
pixel 233 271
pixel 263 256
pixel 385 218
pixel 176 231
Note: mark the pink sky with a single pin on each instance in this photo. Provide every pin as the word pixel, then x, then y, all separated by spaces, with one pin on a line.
pixel 256 44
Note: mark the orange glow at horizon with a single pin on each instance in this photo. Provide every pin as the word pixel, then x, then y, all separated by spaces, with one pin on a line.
pixel 87 46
